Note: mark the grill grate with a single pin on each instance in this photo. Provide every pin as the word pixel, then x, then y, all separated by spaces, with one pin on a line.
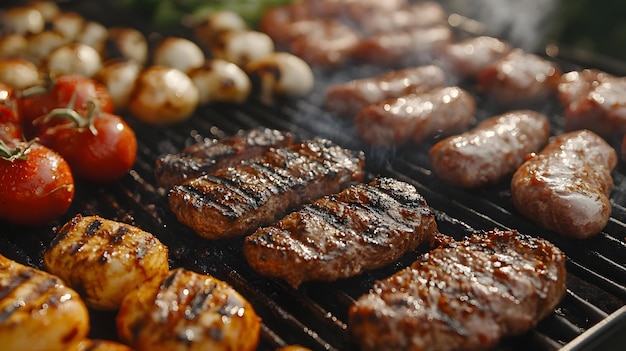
pixel 316 315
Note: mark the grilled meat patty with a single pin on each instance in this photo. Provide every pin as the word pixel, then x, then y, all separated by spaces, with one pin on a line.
pixel 38 311
pixel 363 227
pixel 565 188
pixel 465 295
pixel 236 200
pixel 104 259
pixel 187 311
pixel 210 154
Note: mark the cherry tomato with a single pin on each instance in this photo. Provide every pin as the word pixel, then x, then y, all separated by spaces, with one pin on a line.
pixel 63 91
pixel 99 146
pixel 36 184
pixel 10 124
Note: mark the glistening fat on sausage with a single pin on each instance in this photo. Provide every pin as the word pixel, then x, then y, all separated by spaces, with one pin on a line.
pixel 492 150
pixel 565 188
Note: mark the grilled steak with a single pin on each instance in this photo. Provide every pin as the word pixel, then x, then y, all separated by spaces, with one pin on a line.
pixel 492 150
pixel 565 187
pixel 210 154
pixel 185 310
pixel 236 200
pixel 38 311
pixel 363 227
pixel 104 259
pixel 466 295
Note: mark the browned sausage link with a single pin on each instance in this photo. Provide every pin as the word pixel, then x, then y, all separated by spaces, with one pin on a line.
pixel 519 78
pixel 467 295
pixel 346 99
pixel 492 150
pixel 565 188
pixel 323 42
pixel 416 117
pixel 466 58
pixel 601 109
pixel 413 46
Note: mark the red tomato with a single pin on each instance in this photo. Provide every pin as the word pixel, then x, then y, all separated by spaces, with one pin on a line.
pixel 59 95
pixel 10 124
pixel 101 149
pixel 35 188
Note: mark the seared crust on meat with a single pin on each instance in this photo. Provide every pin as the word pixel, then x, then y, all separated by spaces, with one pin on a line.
pixel 187 311
pixel 565 188
pixel 235 201
pixel 38 312
pixel 210 155
pixel 492 150
pixel 104 259
pixel 463 296
pixel 363 227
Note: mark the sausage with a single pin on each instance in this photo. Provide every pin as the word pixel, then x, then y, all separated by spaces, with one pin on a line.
pixel 468 57
pixel 495 148
pixel 346 99
pixel 401 48
pixel 519 79
pixel 602 110
pixel 565 188
pixel 416 117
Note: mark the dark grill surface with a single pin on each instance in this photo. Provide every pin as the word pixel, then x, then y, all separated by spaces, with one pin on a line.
pixel 316 315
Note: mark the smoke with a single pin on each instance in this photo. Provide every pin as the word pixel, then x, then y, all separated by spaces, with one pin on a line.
pixel 523 23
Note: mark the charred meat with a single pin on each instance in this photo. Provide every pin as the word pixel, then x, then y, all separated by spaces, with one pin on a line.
pixel 209 155
pixel 363 227
pixel 466 295
pixel 236 200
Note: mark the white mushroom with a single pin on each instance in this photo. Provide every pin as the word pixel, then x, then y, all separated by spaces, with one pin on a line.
pixel 40 45
pixel 93 34
pixel 217 22
pixel 219 80
pixel 73 58
pixel 48 9
pixel 70 24
pixel 126 42
pixel 179 53
pixel 13 45
pixel 163 95
pixel 19 73
pixel 22 20
pixel 119 77
pixel 242 46
pixel 281 74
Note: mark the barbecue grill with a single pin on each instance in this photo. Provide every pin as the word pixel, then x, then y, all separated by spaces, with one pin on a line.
pixel 591 316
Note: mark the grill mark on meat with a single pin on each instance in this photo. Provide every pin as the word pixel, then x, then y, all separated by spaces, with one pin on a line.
pixel 236 200
pixel 464 295
pixel 363 227
pixel 209 155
